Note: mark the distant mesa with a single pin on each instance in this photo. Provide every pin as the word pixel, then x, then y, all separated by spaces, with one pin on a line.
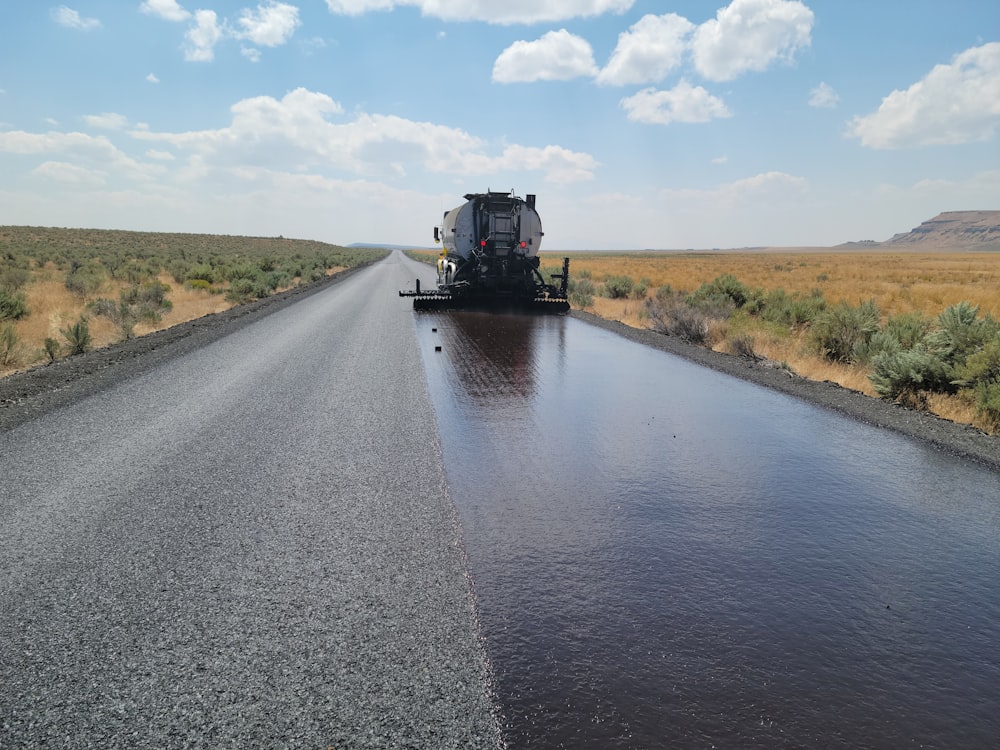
pixel 952 230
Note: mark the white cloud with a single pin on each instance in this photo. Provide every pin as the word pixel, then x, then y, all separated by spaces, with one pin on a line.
pixel 270 25
pixel 250 53
pixel 560 165
pixel 72 19
pixel 83 150
pixel 556 56
pixel 107 121
pixel 955 103
pixel 650 49
pixel 823 96
pixel 311 45
pixel 160 155
pixel 73 174
pixel 490 11
pixel 748 35
pixel 298 133
pixel 683 103
pixel 766 183
pixel 166 9
pixel 152 78
pixel 201 38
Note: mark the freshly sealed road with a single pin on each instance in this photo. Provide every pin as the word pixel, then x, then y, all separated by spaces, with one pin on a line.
pixel 251 545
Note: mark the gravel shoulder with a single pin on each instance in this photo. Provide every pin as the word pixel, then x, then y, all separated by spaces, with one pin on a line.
pixel 949 437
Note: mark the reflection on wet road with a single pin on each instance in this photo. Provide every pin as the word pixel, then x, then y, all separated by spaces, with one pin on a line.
pixel 668 557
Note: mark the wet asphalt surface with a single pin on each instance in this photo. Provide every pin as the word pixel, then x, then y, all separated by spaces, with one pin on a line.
pixel 246 541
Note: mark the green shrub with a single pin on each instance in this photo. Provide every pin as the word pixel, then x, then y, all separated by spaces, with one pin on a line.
pixel 777 306
pixel 742 346
pixel 245 290
pixel 959 333
pixel 717 306
pixel 9 345
pixel 199 284
pixel 618 287
pixel 906 330
pixel 14 277
pixel 900 333
pixel 725 286
pixel 672 316
pixel 84 281
pixel 581 292
pixel 988 403
pixel 241 271
pixel 981 366
pixel 201 271
pixel 78 336
pixel 51 348
pixel 902 375
pixel 13 304
pixel 840 332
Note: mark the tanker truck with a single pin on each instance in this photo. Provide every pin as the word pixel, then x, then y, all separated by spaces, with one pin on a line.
pixel 489 258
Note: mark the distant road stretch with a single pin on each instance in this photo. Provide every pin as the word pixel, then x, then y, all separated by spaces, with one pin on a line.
pixel 250 545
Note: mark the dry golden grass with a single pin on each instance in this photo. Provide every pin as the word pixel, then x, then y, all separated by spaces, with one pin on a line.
pixel 54 308
pixel 898 282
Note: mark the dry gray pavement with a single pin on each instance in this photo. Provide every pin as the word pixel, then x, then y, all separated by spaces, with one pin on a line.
pixel 250 544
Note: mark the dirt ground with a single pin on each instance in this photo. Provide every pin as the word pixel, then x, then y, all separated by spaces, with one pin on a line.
pixel 25 395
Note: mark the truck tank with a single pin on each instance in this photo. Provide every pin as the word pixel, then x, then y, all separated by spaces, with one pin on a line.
pixel 490 258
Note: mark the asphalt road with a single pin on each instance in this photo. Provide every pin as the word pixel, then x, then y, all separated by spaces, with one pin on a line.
pixel 250 544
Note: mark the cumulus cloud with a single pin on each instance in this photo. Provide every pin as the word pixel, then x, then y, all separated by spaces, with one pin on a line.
pixel 270 25
pixel 152 78
pixel 749 35
pixel 559 164
pixel 823 96
pixel 490 11
pixel 766 183
pixel 683 103
pixel 73 174
pixel 302 131
pixel 85 151
pixel 166 9
pixel 72 19
pixel 650 49
pixel 107 121
pixel 953 104
pixel 201 38
pixel 556 56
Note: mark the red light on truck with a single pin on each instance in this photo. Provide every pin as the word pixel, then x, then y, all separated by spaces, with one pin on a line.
pixel 523 244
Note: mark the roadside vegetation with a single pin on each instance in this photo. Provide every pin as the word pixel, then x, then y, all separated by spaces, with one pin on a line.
pixel 64 291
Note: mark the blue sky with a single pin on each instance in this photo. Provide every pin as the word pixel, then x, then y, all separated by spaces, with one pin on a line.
pixel 673 125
